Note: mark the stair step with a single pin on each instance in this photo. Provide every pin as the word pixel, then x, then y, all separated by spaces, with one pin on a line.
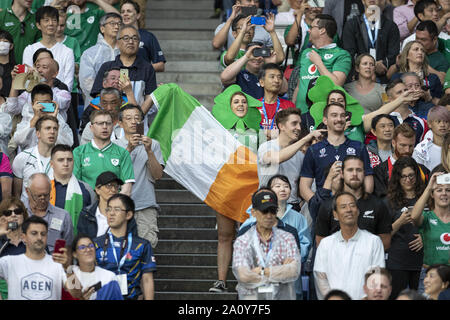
pixel 187 233
pixel 176 196
pixel 182 24
pixel 186 246
pixel 182 34
pixel 192 56
pixel 186 209
pixel 194 272
pixel 191 5
pixel 192 77
pixel 196 89
pixel 192 66
pixel 168 183
pixel 190 285
pixel 173 221
pixel 187 259
pixel 186 45
pixel 194 296
pixel 179 14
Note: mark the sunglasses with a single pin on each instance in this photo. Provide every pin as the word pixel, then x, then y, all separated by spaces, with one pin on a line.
pixel 8 213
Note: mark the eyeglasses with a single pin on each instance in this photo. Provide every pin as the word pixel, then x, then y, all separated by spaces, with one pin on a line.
pixel 409 177
pixel 114 24
pixel 110 186
pixel 104 124
pixel 83 247
pixel 115 210
pixel 17 211
pixel 128 38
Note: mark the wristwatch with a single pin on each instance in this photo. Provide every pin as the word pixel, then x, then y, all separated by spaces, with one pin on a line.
pixel 262 271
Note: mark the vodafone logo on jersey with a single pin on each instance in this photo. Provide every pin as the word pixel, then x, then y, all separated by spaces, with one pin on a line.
pixel 312 69
pixel 445 238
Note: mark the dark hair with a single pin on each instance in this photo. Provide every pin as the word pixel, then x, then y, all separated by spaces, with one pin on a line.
pixel 392 84
pixel 411 294
pixel 134 4
pixel 396 195
pixel 77 238
pixel 445 100
pixel 130 107
pixel 126 201
pixel 39 51
pixel 236 20
pixel 338 195
pixel 45 117
pixel 342 93
pixel 35 220
pixel 337 293
pixel 442 270
pixel 328 106
pixel 327 21
pixel 421 5
pixel 6 35
pixel 46 11
pixel 429 26
pixel 105 75
pixel 282 115
pixel 269 66
pixel 41 88
pixel 13 201
pixel 377 118
pixel 278 176
pixel 383 271
pixel 60 148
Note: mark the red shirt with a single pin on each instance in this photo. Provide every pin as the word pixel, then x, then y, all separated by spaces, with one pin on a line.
pixel 270 110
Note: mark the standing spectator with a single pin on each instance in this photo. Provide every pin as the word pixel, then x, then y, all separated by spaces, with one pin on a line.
pixel 377 36
pixel 6 125
pixel 428 152
pixel 105 50
pixel 377 284
pixel 380 149
pixel 336 265
pixel 38 204
pixel 437 281
pixel 148 165
pixel 405 255
pixel 405 19
pixel 132 260
pixel 83 23
pixel 6 176
pixel 6 62
pixel 434 223
pixel 149 46
pixel 47 22
pixel 19 21
pixel 261 276
pixel 102 155
pixel 243 33
pixel 342 11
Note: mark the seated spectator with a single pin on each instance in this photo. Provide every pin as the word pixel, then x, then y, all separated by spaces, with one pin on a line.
pixel 258 278
pixel 83 22
pixel 19 21
pixel 100 154
pixel 38 204
pixel 405 255
pixel 374 35
pixel 405 19
pixel 111 101
pixel 380 149
pixel 6 63
pixel 148 165
pixel 5 131
pixel 140 72
pixel 342 11
pixel 135 275
pixel 428 152
pixel 377 284
pixel 445 156
pixel 337 295
pixel 149 46
pixel 410 294
pixel 436 281
pixel 68 193
pixel 105 50
pixel 403 142
pixel 365 89
pixel 47 21
pixel 336 266
pixel 422 106
pixel 6 177
pixel 223 36
pixel 445 101
pixel 26 132
pixel 325 58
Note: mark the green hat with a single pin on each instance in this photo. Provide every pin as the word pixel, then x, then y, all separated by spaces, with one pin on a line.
pixel 318 95
pixel 223 113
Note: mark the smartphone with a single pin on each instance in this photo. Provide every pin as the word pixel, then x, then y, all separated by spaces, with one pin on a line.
pixel 259 21
pixel 59 244
pixel 443 179
pixel 348 115
pixel 249 11
pixel 140 128
pixel 48 106
pixel 123 73
pixel 96 286
pixel 13 226
pixel 20 68
pixel 261 52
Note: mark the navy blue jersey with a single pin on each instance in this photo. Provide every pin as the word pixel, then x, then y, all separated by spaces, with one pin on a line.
pixel 138 261
pixel 149 47
pixel 249 84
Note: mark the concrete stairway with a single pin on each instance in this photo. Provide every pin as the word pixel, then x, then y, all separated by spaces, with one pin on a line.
pixel 186 253
pixel 184 32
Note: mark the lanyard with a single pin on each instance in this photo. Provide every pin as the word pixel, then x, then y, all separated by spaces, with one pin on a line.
pixel 124 244
pixel 263 260
pixel 265 113
pixel 369 31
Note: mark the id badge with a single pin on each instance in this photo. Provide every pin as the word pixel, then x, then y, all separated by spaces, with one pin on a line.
pixel 373 53
pixel 123 283
pixel 268 288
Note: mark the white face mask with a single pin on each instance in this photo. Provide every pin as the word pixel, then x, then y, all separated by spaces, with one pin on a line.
pixel 4 48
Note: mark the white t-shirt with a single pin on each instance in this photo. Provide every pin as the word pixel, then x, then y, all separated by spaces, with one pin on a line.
pixel 32 279
pixel 102 223
pixel 88 279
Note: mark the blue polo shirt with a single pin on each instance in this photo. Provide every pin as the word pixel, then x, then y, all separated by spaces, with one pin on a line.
pixel 322 154
pixel 249 84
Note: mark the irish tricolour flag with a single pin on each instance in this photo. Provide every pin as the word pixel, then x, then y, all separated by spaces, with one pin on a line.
pixel 201 154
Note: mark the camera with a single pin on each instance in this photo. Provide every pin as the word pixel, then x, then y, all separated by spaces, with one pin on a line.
pixel 443 179
pixel 261 52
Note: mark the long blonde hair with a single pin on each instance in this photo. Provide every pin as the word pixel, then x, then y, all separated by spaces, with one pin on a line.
pixel 404 63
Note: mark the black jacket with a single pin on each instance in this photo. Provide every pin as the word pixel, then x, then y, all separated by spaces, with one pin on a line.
pixel 355 40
